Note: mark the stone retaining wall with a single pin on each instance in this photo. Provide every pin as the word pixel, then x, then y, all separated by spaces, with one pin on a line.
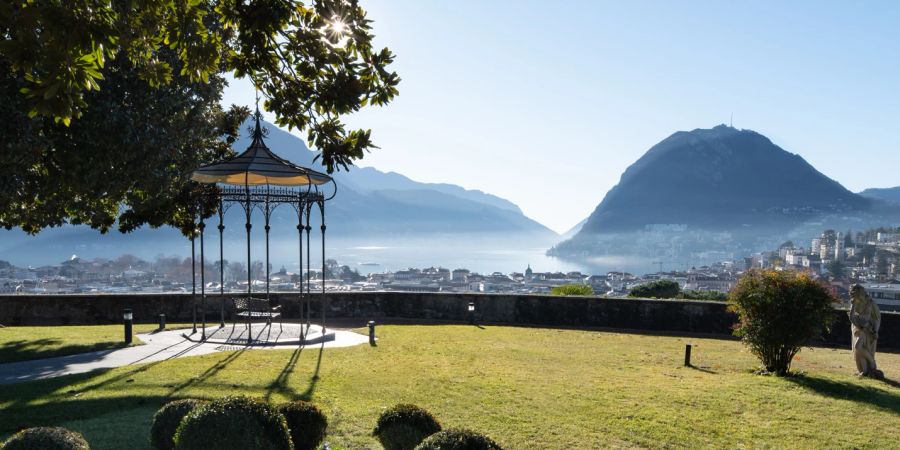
pixel 672 316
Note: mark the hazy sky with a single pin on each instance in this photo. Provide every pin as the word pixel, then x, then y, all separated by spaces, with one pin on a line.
pixel 546 103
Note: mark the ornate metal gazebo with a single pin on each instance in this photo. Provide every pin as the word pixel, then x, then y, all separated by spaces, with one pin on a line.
pixel 259 179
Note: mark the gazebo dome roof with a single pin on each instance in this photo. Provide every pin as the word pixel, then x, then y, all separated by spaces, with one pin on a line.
pixel 258 166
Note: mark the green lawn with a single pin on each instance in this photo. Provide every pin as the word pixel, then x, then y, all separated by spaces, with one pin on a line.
pixel 26 343
pixel 525 387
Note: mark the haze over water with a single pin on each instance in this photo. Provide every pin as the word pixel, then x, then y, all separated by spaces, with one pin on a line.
pixel 478 253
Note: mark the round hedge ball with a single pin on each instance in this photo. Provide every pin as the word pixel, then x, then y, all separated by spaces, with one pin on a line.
pixel 166 421
pixel 458 439
pixel 46 438
pixel 233 423
pixel 306 422
pixel 404 426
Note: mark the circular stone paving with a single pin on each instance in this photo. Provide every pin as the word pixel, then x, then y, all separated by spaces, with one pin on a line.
pixel 262 334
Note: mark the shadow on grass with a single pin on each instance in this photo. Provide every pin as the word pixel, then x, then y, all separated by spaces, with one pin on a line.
pixel 280 384
pixel 59 400
pixel 58 403
pixel 702 369
pixel 891 383
pixel 27 350
pixel 850 391
pixel 209 372
pixel 129 373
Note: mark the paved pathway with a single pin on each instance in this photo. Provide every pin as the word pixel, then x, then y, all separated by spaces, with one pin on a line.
pixel 158 347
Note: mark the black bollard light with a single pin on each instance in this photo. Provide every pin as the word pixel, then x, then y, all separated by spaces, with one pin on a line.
pixel 687 355
pixel 372 333
pixel 128 318
pixel 162 322
pixel 471 313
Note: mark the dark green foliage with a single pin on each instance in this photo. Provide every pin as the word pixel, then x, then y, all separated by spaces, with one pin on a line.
pixel 867 252
pixel 314 61
pixel 233 423
pixel 656 289
pixel 404 426
pixel 572 289
pixel 306 423
pixel 779 312
pixel 836 268
pixel 458 439
pixel 46 438
pixel 166 421
pixel 147 140
pixel 704 295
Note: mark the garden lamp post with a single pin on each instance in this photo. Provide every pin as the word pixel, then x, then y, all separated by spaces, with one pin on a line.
pixel 128 318
pixel 471 313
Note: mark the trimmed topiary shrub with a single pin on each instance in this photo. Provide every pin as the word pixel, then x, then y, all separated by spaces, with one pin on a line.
pixel 46 438
pixel 778 313
pixel 166 421
pixel 233 423
pixel 458 439
pixel 656 289
pixel 306 423
pixel 404 426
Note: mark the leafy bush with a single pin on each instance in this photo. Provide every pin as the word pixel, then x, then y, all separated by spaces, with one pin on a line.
pixel 778 313
pixel 166 421
pixel 704 295
pixel 46 438
pixel 404 426
pixel 236 423
pixel 656 289
pixel 572 289
pixel 458 439
pixel 306 423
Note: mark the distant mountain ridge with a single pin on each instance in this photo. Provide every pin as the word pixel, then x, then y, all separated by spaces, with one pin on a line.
pixel 365 180
pixel 369 203
pixel 694 184
pixel 369 199
pixel 717 178
pixel 887 194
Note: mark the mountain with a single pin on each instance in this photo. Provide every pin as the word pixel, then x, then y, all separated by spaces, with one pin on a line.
pixel 366 180
pixel 714 189
pixel 371 206
pixel 369 200
pixel 718 178
pixel 574 230
pixel 887 194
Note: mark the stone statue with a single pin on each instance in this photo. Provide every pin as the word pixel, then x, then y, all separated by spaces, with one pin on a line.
pixel 865 319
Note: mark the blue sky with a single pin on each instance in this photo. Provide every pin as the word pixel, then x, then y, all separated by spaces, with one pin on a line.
pixel 546 104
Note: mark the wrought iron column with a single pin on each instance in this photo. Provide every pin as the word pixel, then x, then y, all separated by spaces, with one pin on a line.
pixel 249 276
pixel 324 299
pixel 300 270
pixel 202 281
pixel 193 281
pixel 267 212
pixel 309 267
pixel 222 263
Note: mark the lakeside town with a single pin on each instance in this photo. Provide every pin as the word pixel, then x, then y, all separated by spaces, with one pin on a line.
pixel 842 258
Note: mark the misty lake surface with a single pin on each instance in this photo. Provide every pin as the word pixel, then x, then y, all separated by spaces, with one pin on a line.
pixel 477 258
pixel 476 252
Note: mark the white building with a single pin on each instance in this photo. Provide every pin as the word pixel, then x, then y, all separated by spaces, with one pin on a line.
pixel 887 296
pixel 796 259
pixel 886 237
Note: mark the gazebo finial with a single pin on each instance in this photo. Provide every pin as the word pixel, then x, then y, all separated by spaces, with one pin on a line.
pixel 257 128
